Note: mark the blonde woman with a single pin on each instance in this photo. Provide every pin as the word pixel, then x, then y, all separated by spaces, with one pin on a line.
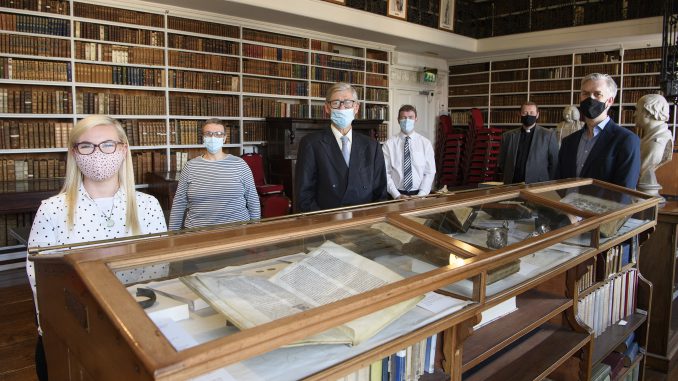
pixel 98 200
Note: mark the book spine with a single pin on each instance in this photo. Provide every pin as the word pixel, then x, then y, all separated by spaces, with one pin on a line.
pixel 398 360
pixel 376 371
pixel 427 358
pixel 431 354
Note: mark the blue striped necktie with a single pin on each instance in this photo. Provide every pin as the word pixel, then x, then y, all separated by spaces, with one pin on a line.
pixel 407 166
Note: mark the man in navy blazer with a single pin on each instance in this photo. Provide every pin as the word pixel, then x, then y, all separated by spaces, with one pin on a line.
pixel 602 150
pixel 336 167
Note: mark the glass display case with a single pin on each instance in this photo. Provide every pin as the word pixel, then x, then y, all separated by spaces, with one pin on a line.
pixel 323 295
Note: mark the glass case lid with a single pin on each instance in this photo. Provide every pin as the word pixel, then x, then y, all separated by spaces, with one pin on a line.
pixel 495 224
pixel 593 199
pixel 249 287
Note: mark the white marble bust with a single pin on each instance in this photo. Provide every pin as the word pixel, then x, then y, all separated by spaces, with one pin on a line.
pixel 656 143
pixel 570 123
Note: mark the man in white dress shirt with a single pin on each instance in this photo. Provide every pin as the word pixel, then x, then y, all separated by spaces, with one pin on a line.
pixel 410 164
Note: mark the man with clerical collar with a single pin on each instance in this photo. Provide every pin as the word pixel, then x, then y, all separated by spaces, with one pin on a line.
pixel 528 154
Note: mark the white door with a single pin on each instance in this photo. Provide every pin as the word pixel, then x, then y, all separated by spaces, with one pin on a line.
pixel 426 117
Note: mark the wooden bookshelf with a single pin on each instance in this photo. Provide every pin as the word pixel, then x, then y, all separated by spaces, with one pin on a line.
pixel 498 88
pixel 161 73
pixel 137 63
pixel 480 19
pixel 660 263
pixel 534 309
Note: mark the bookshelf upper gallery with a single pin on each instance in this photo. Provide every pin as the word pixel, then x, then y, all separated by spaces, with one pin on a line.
pixel 162 73
pixel 499 87
pixel 462 252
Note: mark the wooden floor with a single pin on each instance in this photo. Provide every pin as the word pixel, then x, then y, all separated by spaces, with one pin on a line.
pixel 17 328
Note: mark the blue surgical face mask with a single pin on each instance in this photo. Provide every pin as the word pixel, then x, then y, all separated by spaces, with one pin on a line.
pixel 342 118
pixel 406 125
pixel 213 144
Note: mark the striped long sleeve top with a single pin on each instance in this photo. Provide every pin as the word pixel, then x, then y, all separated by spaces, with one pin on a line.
pixel 214 192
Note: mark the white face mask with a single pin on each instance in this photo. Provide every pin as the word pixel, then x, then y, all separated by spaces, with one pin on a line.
pixel 213 144
pixel 342 118
pixel 406 125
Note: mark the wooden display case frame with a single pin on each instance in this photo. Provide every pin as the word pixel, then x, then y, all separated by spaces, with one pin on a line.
pixel 93 328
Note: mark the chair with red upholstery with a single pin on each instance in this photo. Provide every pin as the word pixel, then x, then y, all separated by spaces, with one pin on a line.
pixel 271 196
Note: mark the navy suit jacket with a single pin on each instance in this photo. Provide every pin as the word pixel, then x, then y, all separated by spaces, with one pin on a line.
pixel 322 179
pixel 614 158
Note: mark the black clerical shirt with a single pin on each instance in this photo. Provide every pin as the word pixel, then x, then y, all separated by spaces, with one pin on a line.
pixel 521 155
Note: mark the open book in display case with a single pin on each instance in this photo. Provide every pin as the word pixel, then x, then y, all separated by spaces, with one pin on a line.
pixel 324 295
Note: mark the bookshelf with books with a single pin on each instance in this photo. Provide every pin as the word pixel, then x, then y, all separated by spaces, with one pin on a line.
pixel 553 83
pixel 275 75
pixel 36 108
pixel 603 299
pixel 153 66
pixel 508 89
pixel 469 87
pixel 550 87
pixel 640 76
pixel 162 73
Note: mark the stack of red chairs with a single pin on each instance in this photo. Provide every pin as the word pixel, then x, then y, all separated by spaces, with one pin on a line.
pixel 482 151
pixel 271 196
pixel 449 150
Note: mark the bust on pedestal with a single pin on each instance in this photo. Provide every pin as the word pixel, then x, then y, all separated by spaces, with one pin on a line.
pixel 570 123
pixel 656 143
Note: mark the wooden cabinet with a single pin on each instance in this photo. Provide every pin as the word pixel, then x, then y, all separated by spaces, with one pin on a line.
pixel 284 134
pixel 94 327
pixel 659 263
pixel 19 201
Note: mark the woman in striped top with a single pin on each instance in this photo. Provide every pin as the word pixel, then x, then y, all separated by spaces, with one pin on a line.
pixel 214 188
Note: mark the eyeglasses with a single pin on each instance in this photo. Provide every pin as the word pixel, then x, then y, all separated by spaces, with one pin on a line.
pixel 217 134
pixel 348 103
pixel 87 148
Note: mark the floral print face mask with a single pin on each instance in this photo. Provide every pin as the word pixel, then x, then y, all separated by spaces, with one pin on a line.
pixel 100 166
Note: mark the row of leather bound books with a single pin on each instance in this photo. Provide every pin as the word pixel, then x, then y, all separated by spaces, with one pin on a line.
pixel 27 169
pixel 34 24
pixel 92 31
pixel 33 101
pixel 106 102
pixel 93 51
pixel 33 134
pixel 32 70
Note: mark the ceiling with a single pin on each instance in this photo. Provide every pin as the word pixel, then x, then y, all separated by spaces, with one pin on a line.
pixel 316 17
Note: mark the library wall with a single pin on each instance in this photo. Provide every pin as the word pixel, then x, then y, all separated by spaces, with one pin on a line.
pixel 499 87
pixel 162 72
pixel 494 90
pixel 407 86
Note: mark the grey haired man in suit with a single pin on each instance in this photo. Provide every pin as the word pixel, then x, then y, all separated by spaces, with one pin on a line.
pixel 528 154
pixel 336 167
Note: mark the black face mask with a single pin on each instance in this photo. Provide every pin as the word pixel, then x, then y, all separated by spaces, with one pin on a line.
pixel 528 120
pixel 591 108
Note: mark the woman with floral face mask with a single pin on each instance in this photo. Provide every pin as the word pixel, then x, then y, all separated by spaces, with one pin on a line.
pixel 216 187
pixel 98 202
